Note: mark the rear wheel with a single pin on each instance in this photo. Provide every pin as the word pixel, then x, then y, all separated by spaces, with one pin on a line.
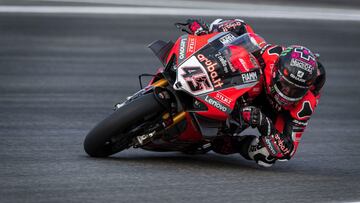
pixel 113 135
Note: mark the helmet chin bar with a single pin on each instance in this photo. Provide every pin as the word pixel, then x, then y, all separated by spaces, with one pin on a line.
pixel 280 97
pixel 278 92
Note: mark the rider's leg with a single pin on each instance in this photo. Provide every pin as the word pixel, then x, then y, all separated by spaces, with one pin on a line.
pixel 248 146
pixel 233 144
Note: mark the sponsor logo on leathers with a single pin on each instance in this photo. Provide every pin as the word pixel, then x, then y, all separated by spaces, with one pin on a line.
pixel 281 144
pixel 270 146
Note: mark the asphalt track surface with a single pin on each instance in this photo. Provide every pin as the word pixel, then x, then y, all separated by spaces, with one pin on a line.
pixel 60 75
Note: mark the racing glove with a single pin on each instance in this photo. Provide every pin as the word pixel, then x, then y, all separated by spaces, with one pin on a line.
pixel 198 27
pixel 193 27
pixel 277 144
pixel 251 116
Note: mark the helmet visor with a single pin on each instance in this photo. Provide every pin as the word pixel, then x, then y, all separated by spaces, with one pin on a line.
pixel 287 89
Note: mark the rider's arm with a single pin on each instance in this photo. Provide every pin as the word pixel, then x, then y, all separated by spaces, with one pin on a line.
pixel 278 144
pixel 281 136
pixel 300 115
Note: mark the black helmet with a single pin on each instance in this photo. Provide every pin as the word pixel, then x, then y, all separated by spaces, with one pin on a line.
pixel 295 72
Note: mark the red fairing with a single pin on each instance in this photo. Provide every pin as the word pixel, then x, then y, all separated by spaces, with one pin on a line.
pixel 245 62
pixel 187 45
pixel 227 98
pixel 242 61
pixel 222 100
pixel 191 133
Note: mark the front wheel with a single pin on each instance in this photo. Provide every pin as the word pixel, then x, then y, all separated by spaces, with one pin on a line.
pixel 111 135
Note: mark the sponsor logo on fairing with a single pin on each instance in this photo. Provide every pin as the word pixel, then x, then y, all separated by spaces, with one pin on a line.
pixel 182 48
pixel 211 66
pixel 305 66
pixel 191 45
pixel 195 78
pixel 227 39
pixel 215 103
pixel 249 77
pixel 222 61
pixel 224 99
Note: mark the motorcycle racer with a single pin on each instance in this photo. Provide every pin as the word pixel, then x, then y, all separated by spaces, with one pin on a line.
pixel 293 79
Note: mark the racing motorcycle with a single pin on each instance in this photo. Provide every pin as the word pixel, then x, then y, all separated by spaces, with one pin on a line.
pixel 188 102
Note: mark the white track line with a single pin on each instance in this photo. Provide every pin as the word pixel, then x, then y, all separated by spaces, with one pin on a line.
pixel 248 10
pixel 196 4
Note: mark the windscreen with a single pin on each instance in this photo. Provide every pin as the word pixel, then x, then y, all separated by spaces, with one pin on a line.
pixel 250 41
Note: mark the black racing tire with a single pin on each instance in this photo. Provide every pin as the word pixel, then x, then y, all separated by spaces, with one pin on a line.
pixel 97 143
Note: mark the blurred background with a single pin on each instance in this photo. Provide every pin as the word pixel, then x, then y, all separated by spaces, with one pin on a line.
pixel 64 64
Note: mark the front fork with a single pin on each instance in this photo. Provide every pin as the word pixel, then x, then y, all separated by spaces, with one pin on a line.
pixel 168 119
pixel 178 116
pixel 166 123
